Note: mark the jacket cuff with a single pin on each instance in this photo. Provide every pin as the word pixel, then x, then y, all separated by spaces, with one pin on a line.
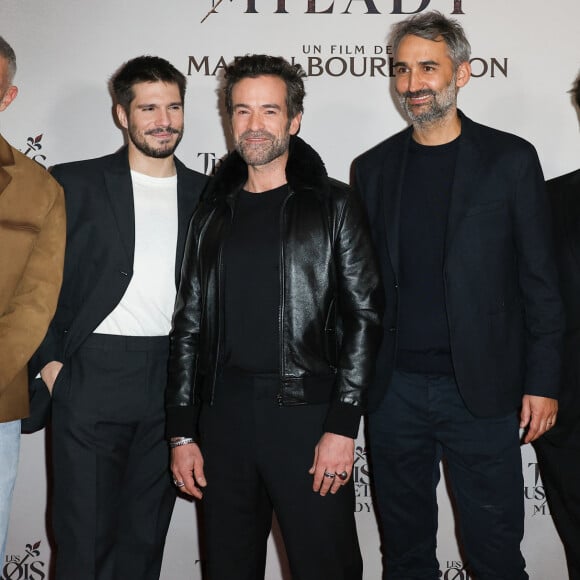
pixel 181 421
pixel 343 419
pixel 544 387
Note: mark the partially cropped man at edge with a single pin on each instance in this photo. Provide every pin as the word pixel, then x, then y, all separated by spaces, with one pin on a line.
pixel 558 450
pixel 32 239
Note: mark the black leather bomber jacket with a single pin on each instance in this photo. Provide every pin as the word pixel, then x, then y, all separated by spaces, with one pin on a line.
pixel 331 298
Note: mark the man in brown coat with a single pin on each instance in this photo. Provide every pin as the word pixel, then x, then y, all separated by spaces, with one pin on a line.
pixel 32 239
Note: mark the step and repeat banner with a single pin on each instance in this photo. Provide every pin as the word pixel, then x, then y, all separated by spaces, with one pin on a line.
pixel 526 55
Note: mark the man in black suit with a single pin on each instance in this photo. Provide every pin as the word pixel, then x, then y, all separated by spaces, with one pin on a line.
pixel 105 355
pixel 473 323
pixel 559 450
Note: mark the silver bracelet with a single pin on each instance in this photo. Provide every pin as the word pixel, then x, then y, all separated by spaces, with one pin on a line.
pixel 179 442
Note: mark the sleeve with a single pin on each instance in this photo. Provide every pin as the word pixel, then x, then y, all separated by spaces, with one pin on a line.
pixel 184 338
pixel 360 309
pixel 25 320
pixel 538 279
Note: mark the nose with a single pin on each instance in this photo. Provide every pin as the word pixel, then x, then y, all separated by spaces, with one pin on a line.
pixel 163 118
pixel 415 82
pixel 255 122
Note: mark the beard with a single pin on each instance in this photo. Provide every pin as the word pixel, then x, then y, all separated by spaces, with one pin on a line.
pixel 436 109
pixel 255 154
pixel 159 151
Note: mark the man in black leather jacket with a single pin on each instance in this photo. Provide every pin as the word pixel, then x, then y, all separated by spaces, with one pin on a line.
pixel 276 328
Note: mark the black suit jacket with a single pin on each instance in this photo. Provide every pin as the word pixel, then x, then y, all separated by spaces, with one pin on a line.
pixel 503 305
pixel 564 193
pixel 101 243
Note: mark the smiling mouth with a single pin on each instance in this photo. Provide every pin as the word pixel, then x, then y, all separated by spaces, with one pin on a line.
pixel 256 137
pixel 418 97
pixel 256 142
pixel 418 101
pixel 163 133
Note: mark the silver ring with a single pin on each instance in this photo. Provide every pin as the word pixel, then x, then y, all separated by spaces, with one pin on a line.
pixel 342 475
pixel 178 483
pixel 329 475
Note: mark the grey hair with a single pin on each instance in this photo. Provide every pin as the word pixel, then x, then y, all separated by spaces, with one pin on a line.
pixel 434 26
pixel 7 52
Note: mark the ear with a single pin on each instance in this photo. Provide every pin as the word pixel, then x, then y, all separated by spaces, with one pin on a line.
pixel 295 124
pixel 462 74
pixel 8 97
pixel 122 116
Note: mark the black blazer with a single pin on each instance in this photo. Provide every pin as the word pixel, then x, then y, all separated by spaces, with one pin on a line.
pixel 503 305
pixel 101 243
pixel 564 193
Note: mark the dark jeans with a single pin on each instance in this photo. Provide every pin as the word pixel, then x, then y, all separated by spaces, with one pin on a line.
pixel 421 419
pixel 257 456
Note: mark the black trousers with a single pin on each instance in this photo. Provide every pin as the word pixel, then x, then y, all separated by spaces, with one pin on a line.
pixel 257 455
pixel 113 495
pixel 560 470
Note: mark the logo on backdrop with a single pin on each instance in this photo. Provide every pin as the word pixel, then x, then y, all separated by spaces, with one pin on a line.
pixel 454 570
pixel 27 566
pixel 209 160
pixel 32 148
pixel 362 483
pixel 346 60
pixel 535 496
pixel 401 7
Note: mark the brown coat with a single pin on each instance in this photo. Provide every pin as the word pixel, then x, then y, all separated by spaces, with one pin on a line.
pixel 32 240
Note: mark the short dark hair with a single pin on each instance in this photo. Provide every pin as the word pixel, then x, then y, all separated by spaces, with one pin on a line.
pixel 144 69
pixel 7 52
pixel 256 65
pixel 432 26
pixel 576 90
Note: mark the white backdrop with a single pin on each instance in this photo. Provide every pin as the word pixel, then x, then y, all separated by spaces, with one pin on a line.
pixel 525 58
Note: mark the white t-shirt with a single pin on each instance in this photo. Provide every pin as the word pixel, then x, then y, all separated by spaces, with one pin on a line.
pixel 146 307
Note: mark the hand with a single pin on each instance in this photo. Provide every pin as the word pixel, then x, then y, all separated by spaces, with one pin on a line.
pixel 538 415
pixel 334 455
pixel 187 466
pixel 49 373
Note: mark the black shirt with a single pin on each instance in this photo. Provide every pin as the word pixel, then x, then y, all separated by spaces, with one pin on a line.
pixel 251 261
pixel 423 341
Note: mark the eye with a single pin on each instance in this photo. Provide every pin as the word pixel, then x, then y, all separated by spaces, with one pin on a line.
pixel 401 70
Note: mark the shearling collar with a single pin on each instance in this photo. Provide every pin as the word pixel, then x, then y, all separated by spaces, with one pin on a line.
pixel 304 171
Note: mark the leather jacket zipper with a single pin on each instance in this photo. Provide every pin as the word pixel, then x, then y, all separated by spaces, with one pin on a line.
pixel 279 397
